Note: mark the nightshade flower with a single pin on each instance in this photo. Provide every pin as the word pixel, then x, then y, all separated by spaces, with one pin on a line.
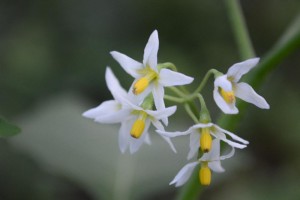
pixel 209 161
pixel 227 88
pixel 148 76
pixel 200 136
pixel 125 109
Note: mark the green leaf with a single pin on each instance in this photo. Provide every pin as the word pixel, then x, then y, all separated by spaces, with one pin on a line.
pixel 7 129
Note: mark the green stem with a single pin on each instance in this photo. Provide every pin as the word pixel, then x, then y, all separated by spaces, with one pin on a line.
pixel 204 81
pixel 174 99
pixel 190 113
pixel 177 91
pixel 239 28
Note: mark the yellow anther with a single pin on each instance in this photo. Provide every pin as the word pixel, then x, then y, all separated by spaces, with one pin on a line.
pixel 228 96
pixel 205 174
pixel 205 140
pixel 137 128
pixel 140 85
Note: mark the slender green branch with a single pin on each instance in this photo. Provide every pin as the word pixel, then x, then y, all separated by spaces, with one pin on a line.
pixel 201 100
pixel 174 99
pixel 177 91
pixel 239 28
pixel 204 81
pixel 190 113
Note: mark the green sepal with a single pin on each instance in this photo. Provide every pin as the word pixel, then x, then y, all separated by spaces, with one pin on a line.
pixel 148 102
pixel 204 113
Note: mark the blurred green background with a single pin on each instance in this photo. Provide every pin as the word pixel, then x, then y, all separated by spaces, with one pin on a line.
pixel 53 56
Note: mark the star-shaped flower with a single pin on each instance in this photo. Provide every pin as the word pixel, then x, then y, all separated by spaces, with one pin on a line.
pixel 125 109
pixel 200 136
pixel 148 77
pixel 227 88
pixel 209 161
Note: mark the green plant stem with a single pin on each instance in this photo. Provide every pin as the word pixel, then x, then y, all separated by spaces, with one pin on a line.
pixel 239 28
pixel 289 42
pixel 174 99
pixel 177 91
pixel 191 113
pixel 204 81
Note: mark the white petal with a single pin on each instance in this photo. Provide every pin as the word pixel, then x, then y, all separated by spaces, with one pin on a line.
pixel 170 78
pixel 147 139
pixel 214 153
pixel 104 108
pixel 190 130
pixel 135 144
pixel 184 174
pixel 222 137
pixel 114 117
pixel 229 155
pixel 114 86
pixel 150 51
pixel 158 125
pixel 128 64
pixel 161 114
pixel 237 70
pixel 216 166
pixel 194 144
pixel 223 105
pixel 223 82
pixel 246 93
pixel 232 135
pixel 168 140
pixel 124 136
pixel 158 95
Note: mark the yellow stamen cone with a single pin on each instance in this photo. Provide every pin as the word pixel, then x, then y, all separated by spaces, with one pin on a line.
pixel 137 128
pixel 205 140
pixel 205 174
pixel 140 85
pixel 227 96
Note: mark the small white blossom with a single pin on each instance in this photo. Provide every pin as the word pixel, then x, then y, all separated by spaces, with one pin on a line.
pixel 226 88
pixel 212 159
pixel 196 131
pixel 147 75
pixel 125 109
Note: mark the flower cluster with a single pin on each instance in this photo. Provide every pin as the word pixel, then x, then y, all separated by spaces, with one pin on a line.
pixel 143 104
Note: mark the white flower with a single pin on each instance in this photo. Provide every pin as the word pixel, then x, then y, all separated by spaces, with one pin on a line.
pixel 147 75
pixel 134 130
pixel 135 121
pixel 200 136
pixel 209 161
pixel 227 88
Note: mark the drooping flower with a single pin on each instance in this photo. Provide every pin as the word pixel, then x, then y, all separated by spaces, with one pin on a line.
pixel 148 76
pixel 125 109
pixel 226 88
pixel 200 137
pixel 209 161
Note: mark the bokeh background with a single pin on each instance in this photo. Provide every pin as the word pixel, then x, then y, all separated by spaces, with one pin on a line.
pixel 53 56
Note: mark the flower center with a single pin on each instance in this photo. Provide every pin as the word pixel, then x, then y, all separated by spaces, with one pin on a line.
pixel 138 126
pixel 227 96
pixel 205 140
pixel 205 174
pixel 142 83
